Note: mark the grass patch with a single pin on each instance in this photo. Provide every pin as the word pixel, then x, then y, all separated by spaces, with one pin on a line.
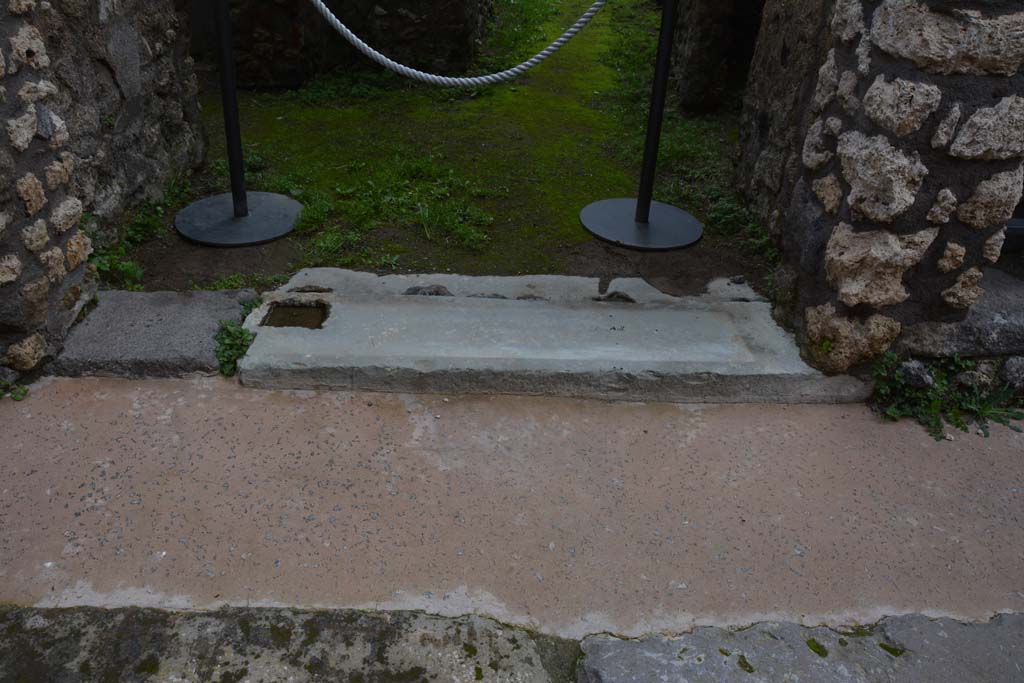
pixel 113 261
pixel 394 175
pixel 255 281
pixel 945 401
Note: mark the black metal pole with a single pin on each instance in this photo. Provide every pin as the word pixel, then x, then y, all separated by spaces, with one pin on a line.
pixel 657 113
pixel 229 95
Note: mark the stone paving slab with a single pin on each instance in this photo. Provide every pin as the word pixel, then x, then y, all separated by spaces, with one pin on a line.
pixel 907 649
pixel 534 335
pixel 231 645
pixel 565 516
pixel 149 334
pixel 273 645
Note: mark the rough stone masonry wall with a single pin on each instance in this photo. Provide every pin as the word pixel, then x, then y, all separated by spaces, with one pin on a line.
pixel 97 110
pixel 883 142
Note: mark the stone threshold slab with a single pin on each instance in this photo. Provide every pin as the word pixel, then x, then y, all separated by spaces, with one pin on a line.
pixel 546 335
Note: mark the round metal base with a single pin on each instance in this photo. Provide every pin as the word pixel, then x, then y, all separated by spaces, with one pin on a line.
pixel 211 221
pixel 614 220
pixel 1014 236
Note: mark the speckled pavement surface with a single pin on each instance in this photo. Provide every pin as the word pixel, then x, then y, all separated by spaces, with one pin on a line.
pixel 570 517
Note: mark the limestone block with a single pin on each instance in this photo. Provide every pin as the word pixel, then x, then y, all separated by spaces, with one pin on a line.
pixel 22 129
pixel 66 215
pixel 78 249
pixel 59 172
pixel 31 192
pixel 884 180
pixel 993 132
pixel 21 6
pixel 901 106
pixel 959 42
pixel 993 249
pixel 953 258
pixel 868 267
pixel 53 260
pixel 945 130
pixel 864 55
pixel 838 343
pixel 848 20
pixel 27 49
pixel 33 92
pixel 817 152
pixel 943 208
pixel 966 292
pixel 828 81
pixel 829 192
pixel 847 92
pixel 26 354
pixel 10 269
pixel 35 237
pixel 994 200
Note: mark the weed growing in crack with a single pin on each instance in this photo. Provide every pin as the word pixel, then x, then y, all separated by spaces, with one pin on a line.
pixel 233 340
pixel 16 392
pixel 944 400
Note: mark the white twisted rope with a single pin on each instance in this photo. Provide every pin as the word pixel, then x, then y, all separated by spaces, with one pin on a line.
pixel 449 81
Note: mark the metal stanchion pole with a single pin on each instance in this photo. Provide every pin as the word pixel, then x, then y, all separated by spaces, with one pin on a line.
pixel 240 218
pixel 642 223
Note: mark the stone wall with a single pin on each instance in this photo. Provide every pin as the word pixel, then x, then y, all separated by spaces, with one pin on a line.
pixel 883 143
pixel 714 43
pixel 285 42
pixel 97 111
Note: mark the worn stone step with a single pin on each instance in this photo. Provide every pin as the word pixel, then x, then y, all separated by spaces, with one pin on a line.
pixel 533 335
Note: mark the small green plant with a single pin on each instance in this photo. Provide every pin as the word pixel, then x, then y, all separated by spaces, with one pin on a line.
pixel 113 261
pixel 943 400
pixel 233 340
pixel 16 392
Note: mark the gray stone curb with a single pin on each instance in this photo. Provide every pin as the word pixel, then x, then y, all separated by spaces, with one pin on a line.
pixel 149 334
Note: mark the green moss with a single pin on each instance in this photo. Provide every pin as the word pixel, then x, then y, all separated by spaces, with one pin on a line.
pixel 395 175
pixel 245 626
pixel 281 635
pixel 742 663
pixel 470 649
pixel 817 648
pixel 312 634
pixel 894 650
pixel 724 652
pixel 149 665
pixel 478 673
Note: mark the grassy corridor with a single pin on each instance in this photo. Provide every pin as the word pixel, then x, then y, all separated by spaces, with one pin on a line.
pixel 401 177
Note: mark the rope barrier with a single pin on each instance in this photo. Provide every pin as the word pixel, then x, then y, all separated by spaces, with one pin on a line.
pixel 449 81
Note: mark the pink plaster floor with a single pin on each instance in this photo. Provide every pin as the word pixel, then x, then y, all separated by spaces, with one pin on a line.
pixel 569 516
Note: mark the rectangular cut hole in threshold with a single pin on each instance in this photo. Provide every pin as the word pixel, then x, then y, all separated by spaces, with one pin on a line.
pixel 310 316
